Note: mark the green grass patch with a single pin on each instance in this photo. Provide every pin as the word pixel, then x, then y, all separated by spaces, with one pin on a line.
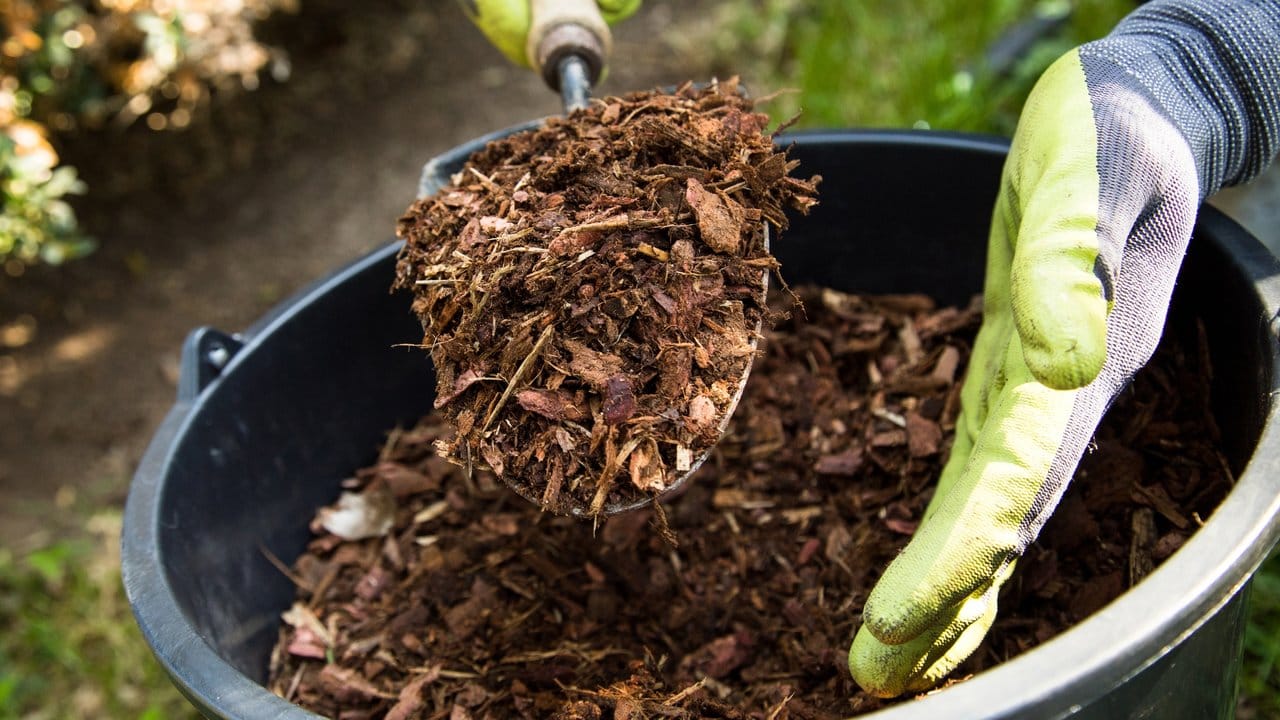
pixel 879 63
pixel 69 647
pixel 1260 679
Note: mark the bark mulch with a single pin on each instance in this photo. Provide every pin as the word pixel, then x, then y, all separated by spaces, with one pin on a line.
pixel 737 599
pixel 592 291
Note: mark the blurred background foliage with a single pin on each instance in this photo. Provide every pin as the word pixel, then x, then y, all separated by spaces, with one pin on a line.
pixel 946 65
pixel 1260 677
pixel 68 65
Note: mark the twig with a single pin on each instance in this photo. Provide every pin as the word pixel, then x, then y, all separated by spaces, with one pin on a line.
pixel 494 278
pixel 610 469
pixel 521 248
pixel 284 569
pixel 294 683
pixel 685 693
pixel 393 439
pixel 777 709
pixel 485 180
pixel 618 222
pixel 518 375
pixel 890 416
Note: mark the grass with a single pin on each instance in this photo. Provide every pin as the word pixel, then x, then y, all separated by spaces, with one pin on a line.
pixel 68 643
pixel 1260 678
pixel 881 63
pixel 69 647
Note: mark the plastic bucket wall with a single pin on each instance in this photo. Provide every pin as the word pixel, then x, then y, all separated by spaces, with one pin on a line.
pixel 267 423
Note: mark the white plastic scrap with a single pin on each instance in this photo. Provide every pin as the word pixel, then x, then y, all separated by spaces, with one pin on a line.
pixel 357 516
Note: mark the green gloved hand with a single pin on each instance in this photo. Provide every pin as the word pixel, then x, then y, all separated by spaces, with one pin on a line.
pixel 1117 145
pixel 506 22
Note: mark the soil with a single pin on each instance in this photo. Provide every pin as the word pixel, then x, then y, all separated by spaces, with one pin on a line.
pixel 738 598
pixel 598 393
pixel 214 225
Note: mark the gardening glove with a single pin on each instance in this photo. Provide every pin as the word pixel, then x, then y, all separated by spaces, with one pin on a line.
pixel 1119 142
pixel 506 22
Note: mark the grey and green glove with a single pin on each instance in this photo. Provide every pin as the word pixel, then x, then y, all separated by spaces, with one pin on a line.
pixel 1119 142
pixel 506 23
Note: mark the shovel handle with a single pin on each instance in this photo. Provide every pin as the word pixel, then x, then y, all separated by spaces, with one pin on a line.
pixel 560 28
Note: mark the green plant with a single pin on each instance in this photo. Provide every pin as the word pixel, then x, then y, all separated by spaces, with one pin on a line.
pixel 890 64
pixel 1260 681
pixel 37 222
pixel 68 643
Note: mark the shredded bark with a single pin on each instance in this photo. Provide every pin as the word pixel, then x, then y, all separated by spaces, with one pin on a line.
pixel 592 291
pixel 477 605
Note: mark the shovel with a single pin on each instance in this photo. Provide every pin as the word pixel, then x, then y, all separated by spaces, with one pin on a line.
pixel 569 44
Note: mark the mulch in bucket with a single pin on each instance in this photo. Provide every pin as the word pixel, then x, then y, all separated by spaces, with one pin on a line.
pixel 739 598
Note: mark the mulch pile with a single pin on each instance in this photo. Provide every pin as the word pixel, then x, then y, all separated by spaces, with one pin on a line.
pixel 592 291
pixel 739 598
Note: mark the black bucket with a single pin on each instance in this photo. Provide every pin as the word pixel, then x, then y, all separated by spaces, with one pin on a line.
pixel 267 422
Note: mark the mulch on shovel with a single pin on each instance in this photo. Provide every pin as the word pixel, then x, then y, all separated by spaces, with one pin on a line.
pixel 592 291
pixel 739 598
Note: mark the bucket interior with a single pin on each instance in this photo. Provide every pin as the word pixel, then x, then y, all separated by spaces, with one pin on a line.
pixel 312 395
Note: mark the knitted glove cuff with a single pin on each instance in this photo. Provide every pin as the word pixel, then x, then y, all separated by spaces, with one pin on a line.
pixel 1213 68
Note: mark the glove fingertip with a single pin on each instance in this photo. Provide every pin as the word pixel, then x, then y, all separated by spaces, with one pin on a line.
pixel 888 670
pixel 874 666
pixel 1067 361
pixel 615 11
pixel 893 626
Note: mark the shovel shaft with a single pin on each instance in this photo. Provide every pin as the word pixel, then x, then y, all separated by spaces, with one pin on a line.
pixel 575 85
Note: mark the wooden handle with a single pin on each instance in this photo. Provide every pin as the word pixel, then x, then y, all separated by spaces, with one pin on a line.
pixel 560 27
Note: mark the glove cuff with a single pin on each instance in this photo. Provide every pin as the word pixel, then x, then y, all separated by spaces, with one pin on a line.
pixel 1212 67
